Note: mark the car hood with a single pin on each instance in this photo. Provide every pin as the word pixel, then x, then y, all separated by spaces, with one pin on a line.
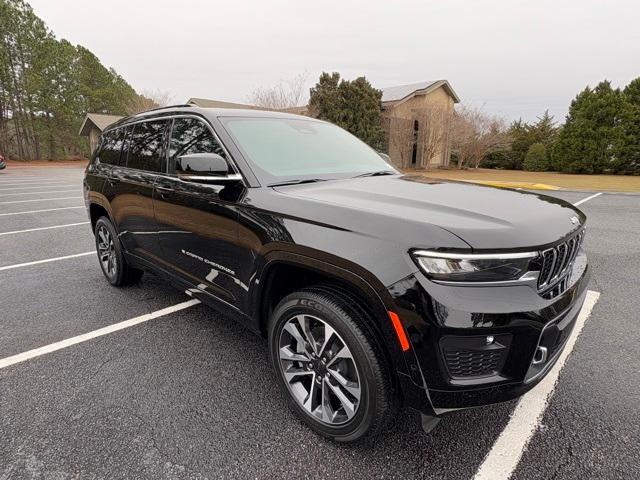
pixel 484 217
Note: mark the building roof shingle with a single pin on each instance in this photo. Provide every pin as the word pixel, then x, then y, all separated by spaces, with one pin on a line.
pixel 399 92
pixel 100 120
pixel 208 103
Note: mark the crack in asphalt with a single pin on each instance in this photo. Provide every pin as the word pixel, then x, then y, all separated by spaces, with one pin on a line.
pixel 143 422
pixel 567 443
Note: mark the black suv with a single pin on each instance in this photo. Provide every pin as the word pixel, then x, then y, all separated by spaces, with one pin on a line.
pixel 375 289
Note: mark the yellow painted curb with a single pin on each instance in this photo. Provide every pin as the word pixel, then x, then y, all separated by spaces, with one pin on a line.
pixel 525 185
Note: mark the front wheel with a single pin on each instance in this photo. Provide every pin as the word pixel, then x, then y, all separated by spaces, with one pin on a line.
pixel 114 266
pixel 329 368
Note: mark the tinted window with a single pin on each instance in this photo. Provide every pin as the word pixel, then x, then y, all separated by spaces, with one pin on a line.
pixel 191 136
pixel 111 146
pixel 287 148
pixel 146 146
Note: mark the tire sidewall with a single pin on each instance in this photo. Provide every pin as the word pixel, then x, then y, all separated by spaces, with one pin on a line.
pixel 300 303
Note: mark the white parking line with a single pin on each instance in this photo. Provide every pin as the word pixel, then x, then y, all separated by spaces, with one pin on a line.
pixel 37 193
pixel 39 211
pixel 63 185
pixel 40 200
pixel 503 458
pixel 587 199
pixel 24 178
pixel 52 183
pixel 52 347
pixel 46 260
pixel 6 177
pixel 43 228
pixel 27 182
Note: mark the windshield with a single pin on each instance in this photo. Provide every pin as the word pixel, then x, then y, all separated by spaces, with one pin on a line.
pixel 282 149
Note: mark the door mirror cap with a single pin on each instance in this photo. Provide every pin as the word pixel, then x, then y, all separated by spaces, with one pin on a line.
pixel 205 168
pixel 385 157
pixel 202 164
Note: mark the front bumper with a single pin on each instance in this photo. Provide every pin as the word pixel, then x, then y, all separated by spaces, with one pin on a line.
pixel 473 346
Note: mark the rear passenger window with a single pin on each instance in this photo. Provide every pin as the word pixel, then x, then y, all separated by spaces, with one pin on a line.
pixel 190 135
pixel 146 146
pixel 111 146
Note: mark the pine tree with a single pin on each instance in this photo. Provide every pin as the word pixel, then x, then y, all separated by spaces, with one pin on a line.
pixel 627 147
pixel 586 142
pixel 632 91
pixel 536 159
pixel 353 105
pixel 519 132
pixel 46 87
pixel 545 130
pixel 524 134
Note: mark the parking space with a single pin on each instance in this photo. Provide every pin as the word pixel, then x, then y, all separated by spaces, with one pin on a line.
pixel 191 394
pixel 11 224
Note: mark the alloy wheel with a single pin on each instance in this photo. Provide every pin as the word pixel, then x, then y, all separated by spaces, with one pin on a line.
pixel 319 369
pixel 107 251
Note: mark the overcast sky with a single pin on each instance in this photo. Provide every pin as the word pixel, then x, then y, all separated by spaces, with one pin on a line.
pixel 515 57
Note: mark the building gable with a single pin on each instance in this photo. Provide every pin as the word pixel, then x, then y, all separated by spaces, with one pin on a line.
pixel 393 96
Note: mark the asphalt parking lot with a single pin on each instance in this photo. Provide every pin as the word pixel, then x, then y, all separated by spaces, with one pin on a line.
pixel 191 394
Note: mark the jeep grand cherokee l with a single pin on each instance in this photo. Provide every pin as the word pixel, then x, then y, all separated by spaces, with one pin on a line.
pixel 375 289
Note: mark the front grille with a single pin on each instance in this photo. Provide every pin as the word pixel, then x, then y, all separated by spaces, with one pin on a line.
pixel 556 264
pixel 468 363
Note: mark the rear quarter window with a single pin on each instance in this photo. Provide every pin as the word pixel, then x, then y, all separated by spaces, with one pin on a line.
pixel 111 146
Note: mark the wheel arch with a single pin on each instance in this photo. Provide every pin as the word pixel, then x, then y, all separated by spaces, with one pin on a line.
pixel 97 209
pixel 286 272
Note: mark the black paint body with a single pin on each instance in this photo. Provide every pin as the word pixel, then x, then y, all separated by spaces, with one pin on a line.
pixel 357 233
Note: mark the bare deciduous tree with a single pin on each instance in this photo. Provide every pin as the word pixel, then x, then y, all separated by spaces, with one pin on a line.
pixel 286 94
pixel 401 136
pixel 148 100
pixel 434 124
pixel 475 134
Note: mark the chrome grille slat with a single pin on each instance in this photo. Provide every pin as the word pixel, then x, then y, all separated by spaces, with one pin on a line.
pixel 568 257
pixel 556 264
pixel 561 253
pixel 546 273
pixel 566 251
pixel 575 244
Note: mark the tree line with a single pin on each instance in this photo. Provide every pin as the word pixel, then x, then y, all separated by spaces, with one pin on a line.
pixel 601 134
pixel 48 85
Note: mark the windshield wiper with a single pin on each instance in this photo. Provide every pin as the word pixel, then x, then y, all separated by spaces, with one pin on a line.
pixel 376 174
pixel 297 182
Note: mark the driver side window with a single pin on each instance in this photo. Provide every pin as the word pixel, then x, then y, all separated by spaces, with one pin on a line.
pixel 188 136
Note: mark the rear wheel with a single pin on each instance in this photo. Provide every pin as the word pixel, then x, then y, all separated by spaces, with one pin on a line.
pixel 330 370
pixel 114 266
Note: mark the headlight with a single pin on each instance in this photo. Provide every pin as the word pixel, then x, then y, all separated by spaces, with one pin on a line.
pixel 461 267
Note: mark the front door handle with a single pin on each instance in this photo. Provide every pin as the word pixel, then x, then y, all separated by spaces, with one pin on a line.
pixel 164 191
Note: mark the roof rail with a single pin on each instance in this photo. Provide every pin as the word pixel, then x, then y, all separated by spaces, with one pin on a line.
pixel 162 108
pixel 132 116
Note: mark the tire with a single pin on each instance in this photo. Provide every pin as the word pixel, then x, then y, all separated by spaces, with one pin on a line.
pixel 354 397
pixel 112 262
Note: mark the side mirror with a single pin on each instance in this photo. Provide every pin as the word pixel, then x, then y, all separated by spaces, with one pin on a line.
pixel 205 167
pixel 384 156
